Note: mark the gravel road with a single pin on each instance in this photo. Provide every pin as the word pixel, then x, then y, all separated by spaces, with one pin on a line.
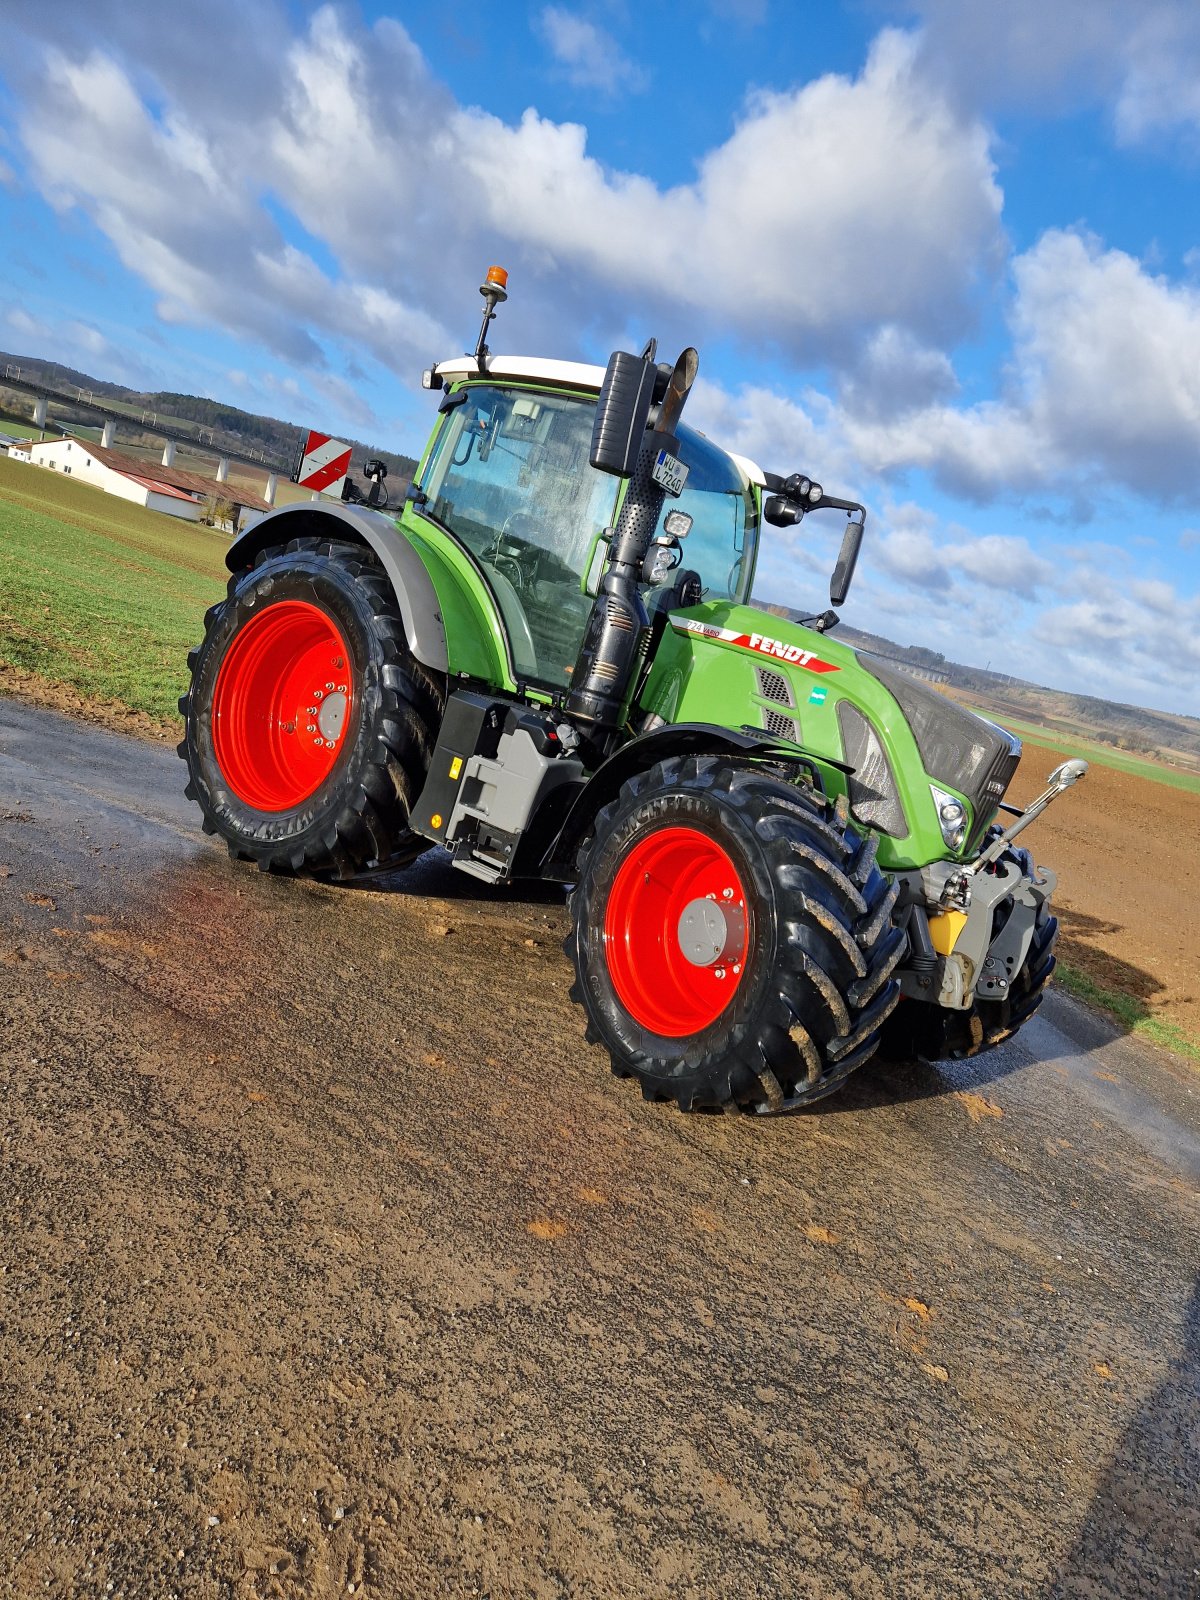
pixel 332 1261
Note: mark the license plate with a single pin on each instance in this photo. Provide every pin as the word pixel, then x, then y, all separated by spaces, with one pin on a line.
pixel 669 473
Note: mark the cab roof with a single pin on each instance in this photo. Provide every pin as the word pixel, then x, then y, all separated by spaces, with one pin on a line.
pixel 570 374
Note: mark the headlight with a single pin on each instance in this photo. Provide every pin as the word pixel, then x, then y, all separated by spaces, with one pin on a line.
pixel 952 817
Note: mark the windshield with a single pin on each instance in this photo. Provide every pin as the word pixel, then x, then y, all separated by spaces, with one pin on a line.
pixel 510 478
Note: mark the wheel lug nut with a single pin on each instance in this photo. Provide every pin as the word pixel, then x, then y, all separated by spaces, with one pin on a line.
pixel 339 662
pixel 318 694
pixel 312 711
pixel 312 727
pixel 726 894
pixel 719 972
pixel 341 688
pixel 329 685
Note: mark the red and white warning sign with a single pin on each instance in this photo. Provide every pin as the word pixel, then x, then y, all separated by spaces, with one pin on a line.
pixel 325 465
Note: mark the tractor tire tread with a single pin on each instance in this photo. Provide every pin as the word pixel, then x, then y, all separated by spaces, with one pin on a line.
pixel 830 988
pixel 369 827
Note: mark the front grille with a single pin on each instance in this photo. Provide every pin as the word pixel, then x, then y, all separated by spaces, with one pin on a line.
pixel 958 748
pixel 781 726
pixel 993 789
pixel 874 799
pixel 774 686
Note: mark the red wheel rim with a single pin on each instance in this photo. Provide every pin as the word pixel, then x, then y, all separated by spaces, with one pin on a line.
pixel 671 874
pixel 282 704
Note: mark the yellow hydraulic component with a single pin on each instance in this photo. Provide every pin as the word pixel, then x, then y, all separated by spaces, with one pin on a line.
pixel 944 930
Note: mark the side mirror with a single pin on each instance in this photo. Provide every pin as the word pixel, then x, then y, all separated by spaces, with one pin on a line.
pixel 843 573
pixel 1065 775
pixel 622 412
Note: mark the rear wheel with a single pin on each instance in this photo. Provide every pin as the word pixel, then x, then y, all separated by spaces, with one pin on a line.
pixel 733 945
pixel 309 725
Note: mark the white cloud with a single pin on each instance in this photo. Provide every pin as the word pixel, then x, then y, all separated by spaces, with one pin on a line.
pixel 589 56
pixel 1103 391
pixel 1138 58
pixel 24 325
pixel 831 211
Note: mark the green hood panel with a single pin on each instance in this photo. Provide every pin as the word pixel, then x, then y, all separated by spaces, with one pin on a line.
pixel 736 665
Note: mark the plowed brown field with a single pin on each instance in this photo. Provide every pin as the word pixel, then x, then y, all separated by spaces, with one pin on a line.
pixel 1127 855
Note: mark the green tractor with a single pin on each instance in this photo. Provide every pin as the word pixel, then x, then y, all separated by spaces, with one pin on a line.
pixel 783 856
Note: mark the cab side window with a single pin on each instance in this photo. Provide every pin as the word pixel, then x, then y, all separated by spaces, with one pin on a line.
pixel 724 532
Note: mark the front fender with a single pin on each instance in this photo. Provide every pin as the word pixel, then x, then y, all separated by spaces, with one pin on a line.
pixel 415 593
pixel 673 739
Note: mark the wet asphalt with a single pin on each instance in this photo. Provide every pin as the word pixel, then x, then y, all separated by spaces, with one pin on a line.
pixel 333 1261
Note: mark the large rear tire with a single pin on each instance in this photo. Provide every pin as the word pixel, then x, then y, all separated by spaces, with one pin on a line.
pixel 732 942
pixel 309 725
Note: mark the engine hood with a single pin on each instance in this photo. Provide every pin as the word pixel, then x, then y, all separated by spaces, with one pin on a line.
pixel 959 749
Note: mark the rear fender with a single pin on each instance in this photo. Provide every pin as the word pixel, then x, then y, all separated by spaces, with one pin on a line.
pixel 675 739
pixel 415 593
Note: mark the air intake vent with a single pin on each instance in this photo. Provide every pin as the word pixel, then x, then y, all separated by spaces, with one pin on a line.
pixel 874 798
pixel 782 727
pixel 774 686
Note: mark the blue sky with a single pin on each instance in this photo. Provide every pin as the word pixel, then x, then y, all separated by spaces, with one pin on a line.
pixel 944 257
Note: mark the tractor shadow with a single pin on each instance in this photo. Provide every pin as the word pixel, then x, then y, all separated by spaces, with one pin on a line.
pixel 1141 1533
pixel 431 877
pixel 886 1083
pixel 1090 971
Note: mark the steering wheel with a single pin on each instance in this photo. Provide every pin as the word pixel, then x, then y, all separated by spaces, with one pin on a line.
pixel 526 562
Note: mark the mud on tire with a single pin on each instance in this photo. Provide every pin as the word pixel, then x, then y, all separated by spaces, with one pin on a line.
pixel 357 815
pixel 815 984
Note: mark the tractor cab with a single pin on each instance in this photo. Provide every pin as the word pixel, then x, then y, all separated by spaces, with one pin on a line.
pixel 508 477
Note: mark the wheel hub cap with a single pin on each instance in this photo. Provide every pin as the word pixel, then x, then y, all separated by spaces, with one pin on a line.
pixel 709 929
pixel 332 716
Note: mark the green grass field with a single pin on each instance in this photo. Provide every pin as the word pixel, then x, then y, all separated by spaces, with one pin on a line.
pixel 1102 754
pixel 1132 1014
pixel 99 594
pixel 21 430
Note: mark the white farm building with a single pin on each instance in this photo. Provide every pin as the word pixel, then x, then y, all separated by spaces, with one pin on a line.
pixel 161 488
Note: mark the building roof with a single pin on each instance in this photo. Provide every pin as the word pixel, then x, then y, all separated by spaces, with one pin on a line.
pixel 160 478
pixel 172 481
pixel 161 488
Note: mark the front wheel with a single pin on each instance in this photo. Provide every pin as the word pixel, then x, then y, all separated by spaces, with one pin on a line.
pixel 309 726
pixel 732 942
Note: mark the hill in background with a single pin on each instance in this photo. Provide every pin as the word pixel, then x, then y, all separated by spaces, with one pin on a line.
pixel 230 428
pixel 1163 735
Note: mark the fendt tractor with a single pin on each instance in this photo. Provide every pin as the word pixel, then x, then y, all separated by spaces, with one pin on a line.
pixel 782 855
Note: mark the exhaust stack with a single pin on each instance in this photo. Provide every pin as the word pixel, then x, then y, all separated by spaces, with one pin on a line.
pixel 618 624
